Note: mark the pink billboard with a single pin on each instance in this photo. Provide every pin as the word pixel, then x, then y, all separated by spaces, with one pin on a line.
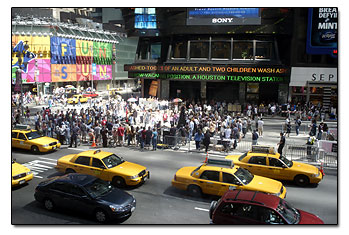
pixel 104 72
pixel 43 74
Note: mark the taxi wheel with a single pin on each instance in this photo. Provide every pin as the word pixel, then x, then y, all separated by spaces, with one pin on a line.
pixel 101 216
pixel 194 190
pixel 301 180
pixel 35 149
pixel 118 182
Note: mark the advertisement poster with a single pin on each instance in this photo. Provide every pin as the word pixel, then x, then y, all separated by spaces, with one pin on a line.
pixel 63 72
pixel 63 50
pixel 322 35
pixel 43 73
pixel 104 72
pixel 83 72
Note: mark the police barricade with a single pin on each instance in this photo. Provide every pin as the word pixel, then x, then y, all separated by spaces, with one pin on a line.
pixel 173 142
pixel 329 159
pixel 308 153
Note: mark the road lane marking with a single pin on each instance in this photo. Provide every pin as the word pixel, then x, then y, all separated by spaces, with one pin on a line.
pixel 44 158
pixel 77 149
pixel 39 166
pixel 201 209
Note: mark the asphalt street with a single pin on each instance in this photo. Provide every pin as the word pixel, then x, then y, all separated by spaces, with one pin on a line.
pixel 157 201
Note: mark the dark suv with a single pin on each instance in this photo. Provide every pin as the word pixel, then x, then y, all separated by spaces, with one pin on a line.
pixel 250 207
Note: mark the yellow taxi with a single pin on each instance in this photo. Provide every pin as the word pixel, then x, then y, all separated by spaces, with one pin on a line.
pixel 75 99
pixel 104 165
pixel 216 176
pixel 264 161
pixel 20 174
pixel 25 138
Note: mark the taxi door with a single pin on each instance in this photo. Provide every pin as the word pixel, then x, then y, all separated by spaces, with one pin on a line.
pixel 22 141
pixel 99 170
pixel 209 182
pixel 82 165
pixel 229 182
pixel 15 140
pixel 277 170
pixel 257 165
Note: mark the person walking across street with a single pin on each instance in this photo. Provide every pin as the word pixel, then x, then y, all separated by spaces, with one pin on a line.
pixel 298 123
pixel 74 136
pixel 206 140
pixel 281 143
pixel 198 137
pixel 260 127
pixel 154 138
pixel 254 137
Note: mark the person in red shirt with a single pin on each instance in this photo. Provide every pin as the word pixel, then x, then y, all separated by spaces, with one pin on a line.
pixel 121 131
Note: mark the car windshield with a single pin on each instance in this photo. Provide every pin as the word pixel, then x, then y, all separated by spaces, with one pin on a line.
pixel 33 135
pixel 286 161
pixel 112 161
pixel 98 188
pixel 196 170
pixel 290 213
pixel 242 156
pixel 244 175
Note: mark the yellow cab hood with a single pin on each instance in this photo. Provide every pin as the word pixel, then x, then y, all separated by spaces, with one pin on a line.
pixel 43 140
pixel 18 168
pixel 128 168
pixel 264 184
pixel 303 167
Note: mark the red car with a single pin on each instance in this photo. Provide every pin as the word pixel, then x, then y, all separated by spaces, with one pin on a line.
pixel 90 94
pixel 250 207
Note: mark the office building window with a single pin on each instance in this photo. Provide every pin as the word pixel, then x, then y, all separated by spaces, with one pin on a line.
pixel 220 50
pixel 199 50
pixel 243 50
pixel 264 50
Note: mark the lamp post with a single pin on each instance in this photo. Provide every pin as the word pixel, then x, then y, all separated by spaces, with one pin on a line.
pixel 91 68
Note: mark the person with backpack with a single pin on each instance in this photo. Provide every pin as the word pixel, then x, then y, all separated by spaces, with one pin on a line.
pixel 254 137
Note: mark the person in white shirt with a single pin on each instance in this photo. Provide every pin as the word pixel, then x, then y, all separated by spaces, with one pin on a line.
pixel 260 127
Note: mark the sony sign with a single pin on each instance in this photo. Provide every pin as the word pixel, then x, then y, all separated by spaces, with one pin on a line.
pixel 222 20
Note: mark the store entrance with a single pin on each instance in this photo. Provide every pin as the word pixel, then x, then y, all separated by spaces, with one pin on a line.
pixel 268 92
pixel 220 91
pixel 185 90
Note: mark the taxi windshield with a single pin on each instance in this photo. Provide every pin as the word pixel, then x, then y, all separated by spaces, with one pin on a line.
pixel 290 213
pixel 33 135
pixel 286 161
pixel 244 175
pixel 242 156
pixel 112 161
pixel 98 188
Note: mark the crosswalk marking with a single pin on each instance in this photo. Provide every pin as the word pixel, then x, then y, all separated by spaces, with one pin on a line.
pixel 40 166
pixel 201 209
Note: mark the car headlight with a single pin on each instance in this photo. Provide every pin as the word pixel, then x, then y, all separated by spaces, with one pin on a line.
pixel 133 177
pixel 29 172
pixel 116 208
pixel 316 175
pixel 45 145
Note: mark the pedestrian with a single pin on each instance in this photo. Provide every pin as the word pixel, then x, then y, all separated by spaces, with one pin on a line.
pixel 154 138
pixel 121 131
pixel 281 143
pixel 288 127
pixel 298 123
pixel 244 127
pixel 74 136
pixel 312 128
pixel 206 140
pixel 260 127
pixel 198 137
pixel 142 137
pixel 104 133
pixel 254 137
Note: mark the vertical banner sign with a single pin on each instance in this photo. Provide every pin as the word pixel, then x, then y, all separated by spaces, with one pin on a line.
pixel 322 34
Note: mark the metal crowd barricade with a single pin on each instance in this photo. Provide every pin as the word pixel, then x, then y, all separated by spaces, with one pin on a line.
pixel 308 153
pixel 328 159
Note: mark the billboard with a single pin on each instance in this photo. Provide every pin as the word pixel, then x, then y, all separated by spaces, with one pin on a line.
pixel 322 32
pixel 223 16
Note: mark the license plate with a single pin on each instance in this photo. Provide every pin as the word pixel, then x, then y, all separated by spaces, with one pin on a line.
pixel 22 182
pixel 133 208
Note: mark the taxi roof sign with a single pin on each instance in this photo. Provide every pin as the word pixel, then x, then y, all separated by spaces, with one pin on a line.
pixel 21 127
pixel 263 149
pixel 219 162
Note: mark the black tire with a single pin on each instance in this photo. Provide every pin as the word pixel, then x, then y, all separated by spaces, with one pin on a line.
pixel 101 216
pixel 48 204
pixel 35 149
pixel 67 171
pixel 118 182
pixel 301 180
pixel 194 191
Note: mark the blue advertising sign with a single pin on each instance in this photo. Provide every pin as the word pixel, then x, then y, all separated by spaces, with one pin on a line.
pixel 63 50
pixel 94 69
pixel 223 16
pixel 322 33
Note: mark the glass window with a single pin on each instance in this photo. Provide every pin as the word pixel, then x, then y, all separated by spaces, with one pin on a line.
pixel 275 162
pixel 21 136
pixel 210 175
pixel 230 179
pixel 269 216
pixel 62 187
pixel 220 50
pixel 98 187
pixel 264 50
pixel 243 50
pixel 179 50
pixel 83 160
pixel 112 161
pixel 97 163
pixel 33 135
pixel 155 50
pixel 257 160
pixel 14 134
pixel 252 88
pixel 198 50
pixel 143 50
pixel 245 211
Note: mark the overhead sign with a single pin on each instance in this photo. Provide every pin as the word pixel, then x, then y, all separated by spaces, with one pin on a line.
pixel 301 75
pixel 223 16
pixel 322 33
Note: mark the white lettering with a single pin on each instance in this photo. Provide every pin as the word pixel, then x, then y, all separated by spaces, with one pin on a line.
pixel 327 26
pixel 222 20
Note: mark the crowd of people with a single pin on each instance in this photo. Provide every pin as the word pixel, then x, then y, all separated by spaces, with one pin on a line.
pixel 117 122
